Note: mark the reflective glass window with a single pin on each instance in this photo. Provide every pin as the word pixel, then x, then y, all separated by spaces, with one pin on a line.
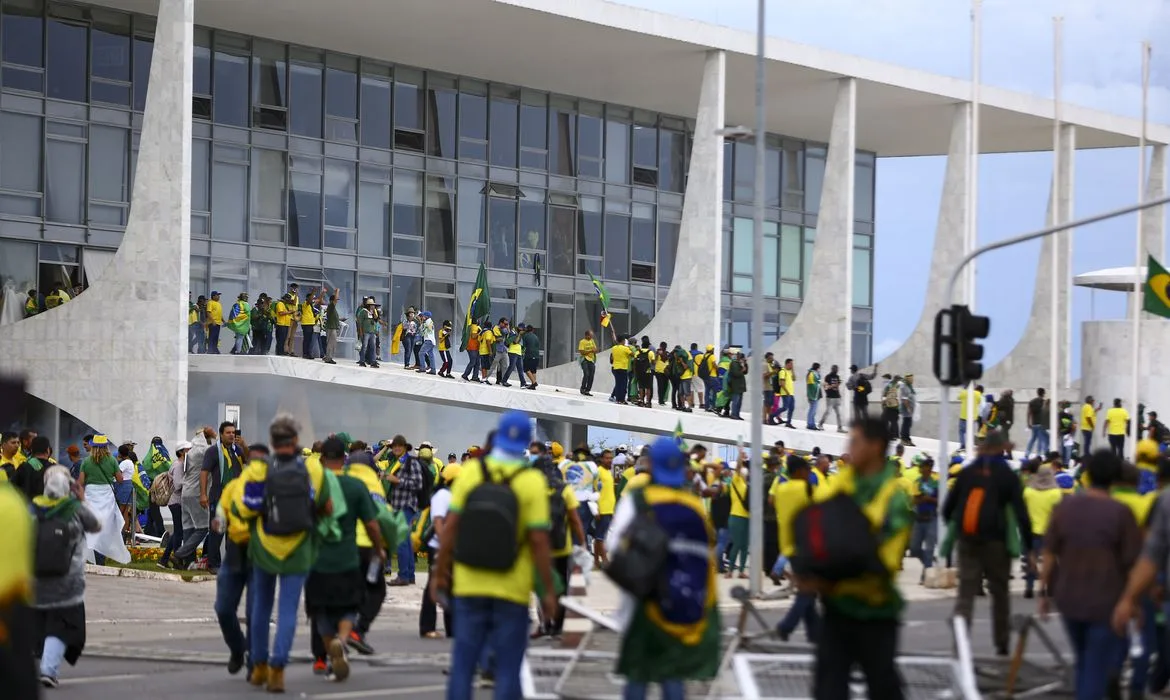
pixel 530 309
pixel 472 215
pixel 269 74
pixel 305 104
pixel 792 179
pixel 772 177
pixel 472 127
pixel 341 93
pixel 374 219
pixel 533 132
pixel 503 132
pixel 67 64
pixel 641 313
pixel 589 227
pixel 200 171
pixel 408 203
pixel 667 250
pixel 562 240
pixel 814 172
pixel 375 120
pixel 440 243
pixel 408 102
pixel 862 274
pixel 143 55
pixel 771 258
pixel 589 142
pixel 643 244
pixel 863 176
pixel 617 247
pixel 202 78
pixel 728 167
pixel 230 105
pixel 18 265
pixel 340 194
pixel 304 210
pixel 110 51
pixel 672 151
pixel 745 171
pixel 587 315
pixel 269 173
pixel 64 181
pixel 229 201
pixel 791 244
pixel 404 291
pixel 741 255
pixel 617 152
pixel 109 150
pixel 442 127
pixel 562 143
pixel 645 146
pixel 23 35
pixel 264 277
pixel 562 341
pixel 532 220
pixel 20 152
pixel 502 233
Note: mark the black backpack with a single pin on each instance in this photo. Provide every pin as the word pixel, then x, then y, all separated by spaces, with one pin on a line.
pixel 704 369
pixel 489 523
pixel 834 541
pixel 636 564
pixel 54 553
pixel 428 483
pixel 642 361
pixel 288 498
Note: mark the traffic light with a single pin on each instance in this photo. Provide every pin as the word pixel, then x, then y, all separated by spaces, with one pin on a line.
pixel 958 354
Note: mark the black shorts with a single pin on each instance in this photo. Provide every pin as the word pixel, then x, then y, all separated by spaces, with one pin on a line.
pixel 530 364
pixel 331 591
pixel 646 380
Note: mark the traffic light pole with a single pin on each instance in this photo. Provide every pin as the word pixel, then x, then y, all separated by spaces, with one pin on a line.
pixel 945 398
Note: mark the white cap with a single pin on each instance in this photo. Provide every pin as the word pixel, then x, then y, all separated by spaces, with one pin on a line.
pixel 183 445
pixel 623 448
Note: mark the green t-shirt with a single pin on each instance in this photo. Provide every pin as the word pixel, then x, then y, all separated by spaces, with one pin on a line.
pixel 339 557
pixel 102 473
pixel 531 345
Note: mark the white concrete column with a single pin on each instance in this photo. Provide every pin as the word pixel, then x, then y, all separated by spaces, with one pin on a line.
pixel 823 330
pixel 916 355
pixel 1154 222
pixel 116 356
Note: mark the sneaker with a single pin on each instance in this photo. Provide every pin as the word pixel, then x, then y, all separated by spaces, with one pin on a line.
pixel 487 679
pixel 49 682
pixel 235 663
pixel 338 659
pixel 400 582
pixel 320 668
pixel 358 642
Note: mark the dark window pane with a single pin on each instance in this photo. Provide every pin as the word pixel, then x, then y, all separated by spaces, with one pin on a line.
pixel 589 232
pixel 200 171
pixel 587 316
pixel 814 172
pixel 617 247
pixel 589 146
pixel 792 179
pixel 305 106
pixel 66 61
pixel 441 123
pixel 772 177
pixel 408 203
pixel 404 292
pixel 374 219
pixel 533 127
pixel 503 133
pixel 269 172
pixel 530 310
pixel 672 148
pixel 407 247
pixel 143 54
pixel 23 36
pixel 110 55
pixel 440 222
pixel 562 147
pixel 562 240
pixel 340 93
pixel 20 151
pixel 109 93
pixel 472 126
pixel 562 341
pixel 645 146
pixel 202 82
pixel 502 238
pixel 65 181
pixel 229 201
pixel 532 224
pixel 304 211
pixel 641 313
pixel 617 152
pixel 472 221
pixel 643 240
pixel 109 148
pixel 745 171
pixel 667 249
pixel 340 194
pixel 269 76
pixel 728 164
pixel 863 192
pixel 408 106
pixel 231 89
pixel 375 121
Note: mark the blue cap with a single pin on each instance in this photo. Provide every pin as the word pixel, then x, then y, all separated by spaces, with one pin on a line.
pixel 426 314
pixel 514 433
pixel 668 464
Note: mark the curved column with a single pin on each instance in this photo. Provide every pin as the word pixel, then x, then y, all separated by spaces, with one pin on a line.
pixel 823 330
pixel 1154 222
pixel 690 312
pixel 116 356
pixel 916 355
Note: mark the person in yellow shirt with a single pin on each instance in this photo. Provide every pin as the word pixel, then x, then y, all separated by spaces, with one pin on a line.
pixel 790 496
pixel 10 456
pixel 492 581
pixel 785 388
pixel 737 523
pixel 294 295
pixel 1147 454
pixel 471 371
pixel 620 356
pixel 445 349
pixel 1117 427
pixel 214 323
pixel 587 356
pixel 1088 424
pixel 606 500
pixel 685 390
pixel 963 416
pixel 308 322
pixel 1041 496
pixel 284 322
pixel 562 555
pixel 487 342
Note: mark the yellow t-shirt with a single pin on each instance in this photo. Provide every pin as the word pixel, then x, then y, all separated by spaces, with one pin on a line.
pixel 514 585
pixel 283 314
pixel 571 504
pixel 787 382
pixel 1088 417
pixel 1116 419
pixel 621 356
pixel 789 498
pixel 1140 504
pixel 444 339
pixel 963 403
pixel 659 364
pixel 1040 506
pixel 308 315
pixel 366 474
pixel 588 349
pixel 605 494
pixel 514 346
pixel 214 313
pixel 17 460
pixel 636 481
pixel 16 547
pixel 689 370
pixel 486 340
pixel 739 491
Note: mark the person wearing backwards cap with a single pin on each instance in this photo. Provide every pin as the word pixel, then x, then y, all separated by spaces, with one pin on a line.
pixel 495 559
pixel 673 640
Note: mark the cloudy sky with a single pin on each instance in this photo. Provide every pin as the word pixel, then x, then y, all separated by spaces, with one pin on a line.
pixel 1102 70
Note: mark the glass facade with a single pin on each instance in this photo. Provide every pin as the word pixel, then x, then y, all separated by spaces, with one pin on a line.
pixel 383 180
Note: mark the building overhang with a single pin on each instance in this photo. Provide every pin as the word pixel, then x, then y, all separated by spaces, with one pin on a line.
pixel 1113 279
pixel 624 55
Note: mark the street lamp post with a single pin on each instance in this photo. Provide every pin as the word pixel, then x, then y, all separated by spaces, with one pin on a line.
pixel 755 368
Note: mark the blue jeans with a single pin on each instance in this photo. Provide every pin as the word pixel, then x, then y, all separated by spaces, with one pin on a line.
pixel 586 517
pixel 238 344
pixel 196 339
pixel 787 405
pixel 1040 439
pixel 812 413
pixel 735 404
pixel 515 363
pixel 472 369
pixel 1030 573
pixel 1097 650
pixel 722 539
pixel 263 595
pixel 712 385
pixel 176 539
pixel 427 353
pixel 229 588
pixel 804 609
pixel 213 339
pixel 483 624
pixel 51 657
pixel 923 538
pixel 1086 442
pixel 621 385
pixel 369 354
pixel 1140 666
pixel 407 348
pixel 963 432
pixel 405 553
pixel 780 565
pixel 671 690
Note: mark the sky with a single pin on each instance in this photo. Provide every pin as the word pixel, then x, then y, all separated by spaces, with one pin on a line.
pixel 1102 70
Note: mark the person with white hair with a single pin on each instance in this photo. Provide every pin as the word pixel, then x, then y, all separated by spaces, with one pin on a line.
pixel 59 607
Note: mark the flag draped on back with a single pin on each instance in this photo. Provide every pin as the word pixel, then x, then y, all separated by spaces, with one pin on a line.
pixel 156 461
pixel 478 306
pixel 678 436
pixel 603 297
pixel 1157 299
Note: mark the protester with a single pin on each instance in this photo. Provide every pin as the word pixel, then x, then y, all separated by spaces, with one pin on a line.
pixel 530 345
pixel 99 473
pixel 1117 427
pixel 235 573
pixel 907 407
pixel 409 492
pixel 222 462
pixel 1038 420
pixel 832 389
pixel 30 475
pixel 445 349
pixel 924 496
pixel 789 497
pixel 813 392
pixel 1041 495
pixel 738 522
pixel 196 518
pixel 175 504
pixel 785 391
pixel 214 323
pixel 361 467
pixel 860 386
pixel 440 507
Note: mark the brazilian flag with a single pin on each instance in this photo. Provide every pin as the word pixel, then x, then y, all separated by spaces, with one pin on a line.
pixel 1157 300
pixel 157 461
pixel 603 297
pixel 478 307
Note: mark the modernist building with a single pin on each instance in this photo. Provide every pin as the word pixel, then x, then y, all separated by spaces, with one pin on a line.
pixel 151 148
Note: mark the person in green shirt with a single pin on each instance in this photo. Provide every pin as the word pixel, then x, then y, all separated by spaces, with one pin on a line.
pixel 336 585
pixel 368 331
pixel 530 345
pixel 332 327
